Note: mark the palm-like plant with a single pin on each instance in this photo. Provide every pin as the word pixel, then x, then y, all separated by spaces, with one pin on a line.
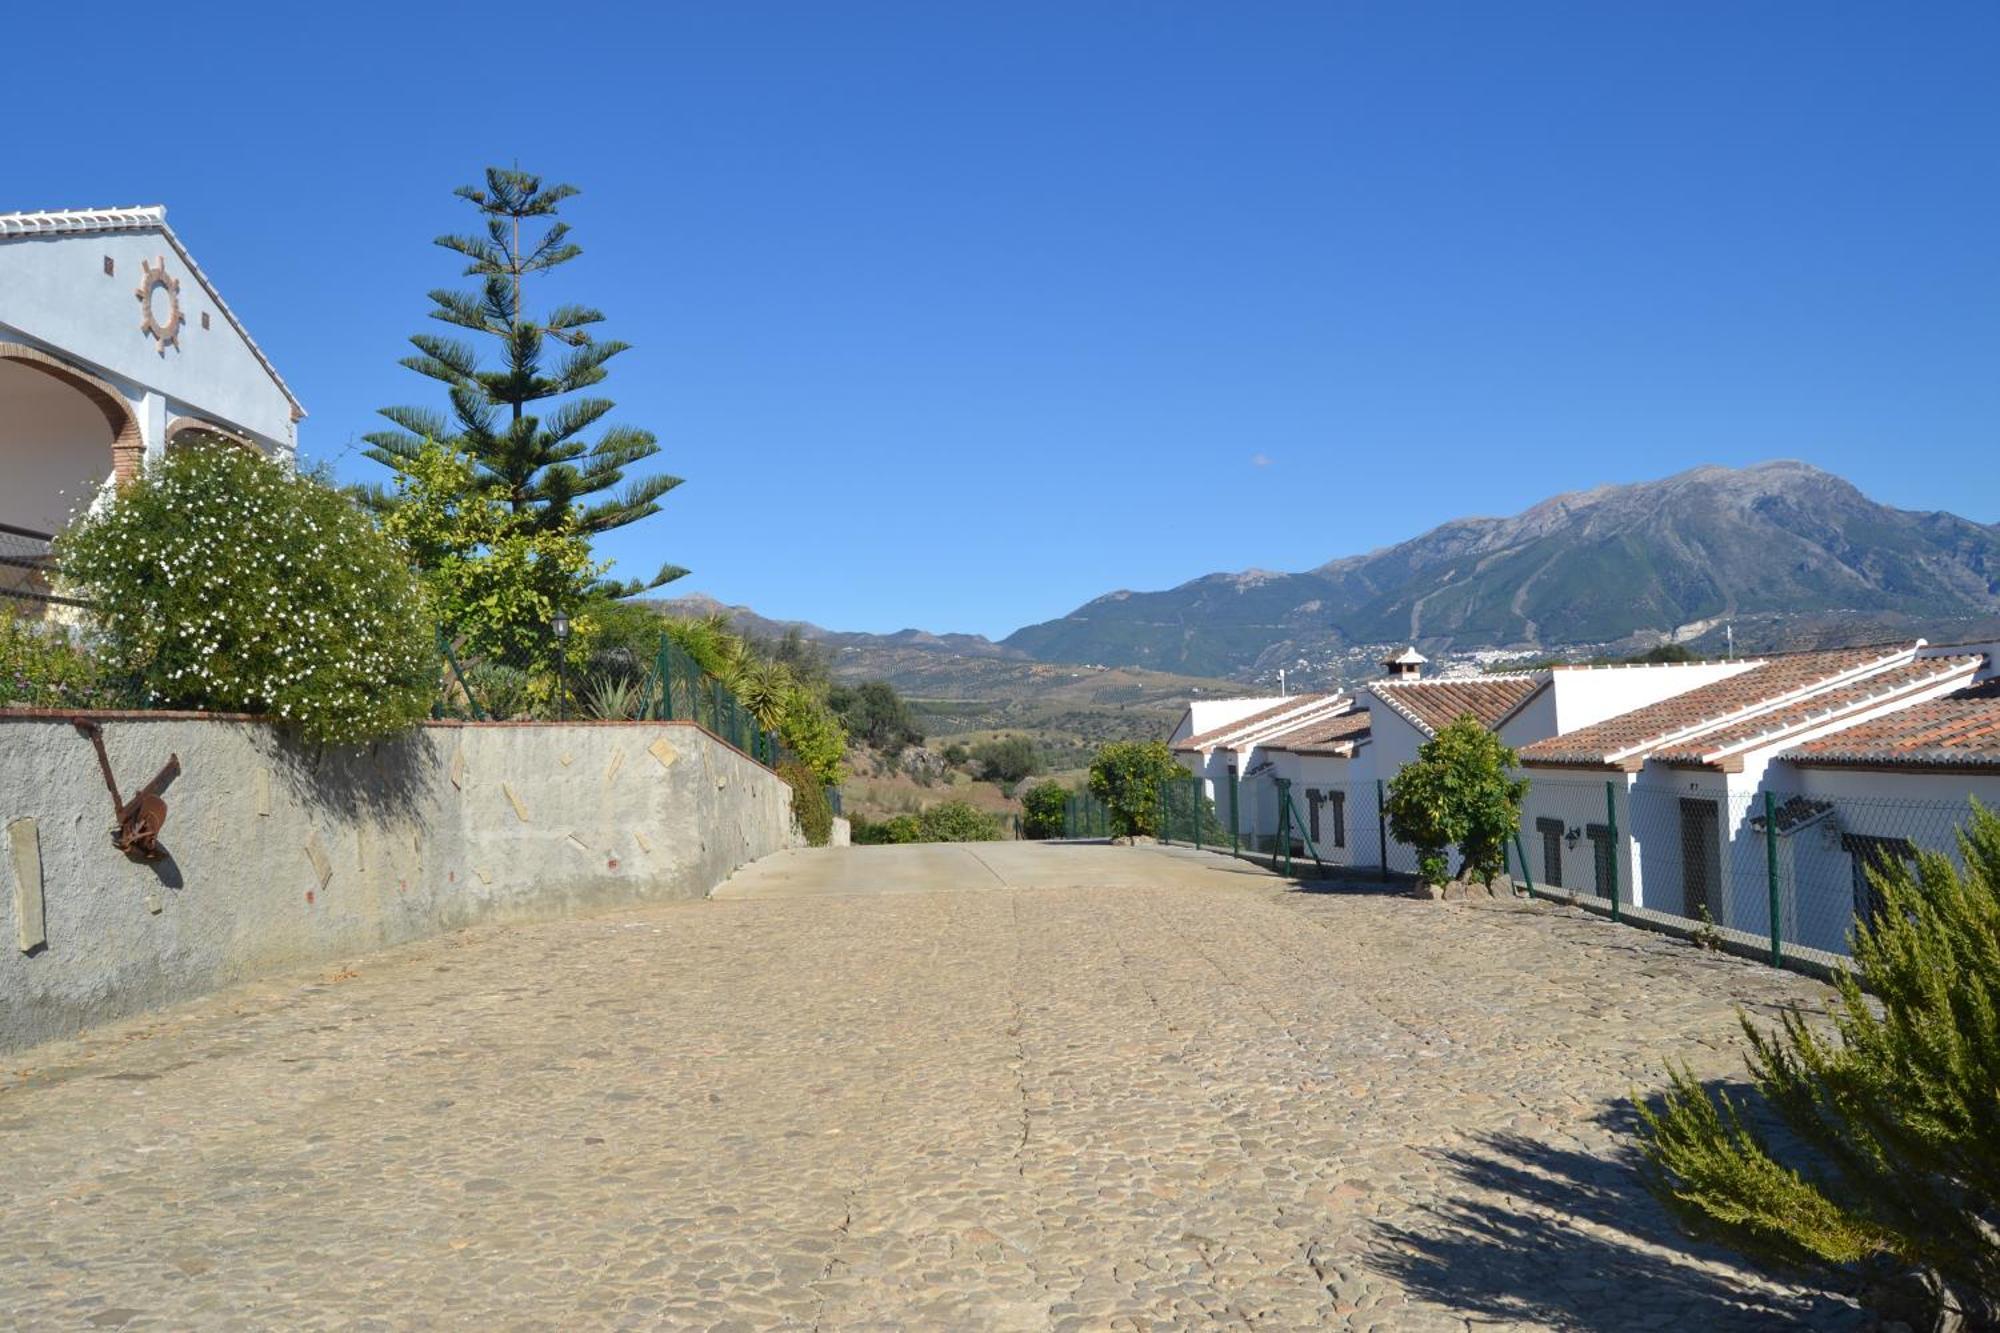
pixel 763 688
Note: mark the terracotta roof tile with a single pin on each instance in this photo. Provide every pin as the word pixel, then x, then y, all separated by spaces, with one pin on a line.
pixel 1333 735
pixel 1255 722
pixel 1737 699
pixel 1820 707
pixel 1431 704
pixel 1959 731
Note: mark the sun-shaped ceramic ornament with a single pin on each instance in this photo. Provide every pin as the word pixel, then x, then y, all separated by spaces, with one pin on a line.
pixel 159 294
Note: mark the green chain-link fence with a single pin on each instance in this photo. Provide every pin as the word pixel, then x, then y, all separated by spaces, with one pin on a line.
pixel 657 681
pixel 1777 875
pixel 1781 875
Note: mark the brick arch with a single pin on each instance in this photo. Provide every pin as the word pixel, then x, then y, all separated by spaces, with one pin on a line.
pixel 203 426
pixel 128 449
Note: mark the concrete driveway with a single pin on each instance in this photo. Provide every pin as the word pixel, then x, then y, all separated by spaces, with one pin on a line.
pixel 1004 1086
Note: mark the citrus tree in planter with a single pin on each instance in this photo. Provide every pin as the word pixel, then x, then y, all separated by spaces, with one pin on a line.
pixel 223 581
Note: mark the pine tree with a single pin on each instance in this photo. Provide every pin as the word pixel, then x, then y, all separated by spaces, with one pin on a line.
pixel 539 461
pixel 1899 1110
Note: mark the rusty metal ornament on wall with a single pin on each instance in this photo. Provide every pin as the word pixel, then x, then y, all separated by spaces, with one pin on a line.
pixel 166 332
pixel 137 832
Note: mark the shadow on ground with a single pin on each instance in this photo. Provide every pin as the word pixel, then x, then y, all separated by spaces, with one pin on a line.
pixel 1349 885
pixel 1581 1245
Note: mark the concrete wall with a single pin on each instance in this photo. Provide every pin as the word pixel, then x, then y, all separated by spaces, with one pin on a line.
pixel 281 857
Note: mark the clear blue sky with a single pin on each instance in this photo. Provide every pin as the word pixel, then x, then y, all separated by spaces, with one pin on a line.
pixel 956 315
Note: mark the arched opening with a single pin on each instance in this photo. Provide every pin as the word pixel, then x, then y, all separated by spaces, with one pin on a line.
pixel 184 431
pixel 62 433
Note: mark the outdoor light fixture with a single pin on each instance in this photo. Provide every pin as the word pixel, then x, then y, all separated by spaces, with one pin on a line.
pixel 1573 837
pixel 559 626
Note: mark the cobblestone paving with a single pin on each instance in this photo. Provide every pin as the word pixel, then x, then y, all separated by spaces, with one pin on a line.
pixel 1093 1088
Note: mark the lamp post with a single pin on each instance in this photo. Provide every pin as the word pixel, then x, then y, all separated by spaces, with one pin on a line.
pixel 560 627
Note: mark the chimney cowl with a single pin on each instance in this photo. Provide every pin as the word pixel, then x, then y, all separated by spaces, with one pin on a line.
pixel 1406 665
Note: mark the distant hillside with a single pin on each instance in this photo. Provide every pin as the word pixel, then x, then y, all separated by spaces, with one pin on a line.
pixel 1786 553
pixel 963 683
pixel 958 645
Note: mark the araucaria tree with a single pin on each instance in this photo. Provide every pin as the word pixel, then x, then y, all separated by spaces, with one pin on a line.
pixel 1897 1111
pixel 531 451
pixel 1459 793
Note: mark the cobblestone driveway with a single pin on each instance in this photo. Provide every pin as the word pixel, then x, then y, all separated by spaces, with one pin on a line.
pixel 1036 1088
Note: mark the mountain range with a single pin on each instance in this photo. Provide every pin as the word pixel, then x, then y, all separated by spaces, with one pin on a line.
pixel 1781 553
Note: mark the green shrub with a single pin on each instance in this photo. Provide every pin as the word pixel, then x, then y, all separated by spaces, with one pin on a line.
pixel 875 714
pixel 41 667
pixel 502 691
pixel 495 577
pixel 1126 777
pixel 1895 1109
pixel 1458 793
pixel 956 821
pixel 1007 760
pixel 881 832
pixel 1045 810
pixel 809 803
pixel 225 581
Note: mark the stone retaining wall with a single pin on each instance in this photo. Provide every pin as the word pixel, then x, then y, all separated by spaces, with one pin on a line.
pixel 282 856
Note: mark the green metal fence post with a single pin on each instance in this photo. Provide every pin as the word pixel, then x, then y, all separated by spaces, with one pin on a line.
pixel 663 667
pixel 1285 821
pixel 478 713
pixel 1382 826
pixel 1194 786
pixel 1771 869
pixel 1611 831
pixel 1235 841
pixel 1521 855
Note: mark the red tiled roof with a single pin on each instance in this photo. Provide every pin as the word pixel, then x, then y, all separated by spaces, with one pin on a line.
pixel 1333 735
pixel 1961 730
pixel 1821 707
pixel 1680 720
pixel 1214 736
pixel 1431 704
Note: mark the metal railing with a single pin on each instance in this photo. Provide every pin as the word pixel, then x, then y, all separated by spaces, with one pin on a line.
pixel 28 569
pixel 543 683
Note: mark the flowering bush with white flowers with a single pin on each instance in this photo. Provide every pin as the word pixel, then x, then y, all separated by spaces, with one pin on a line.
pixel 226 582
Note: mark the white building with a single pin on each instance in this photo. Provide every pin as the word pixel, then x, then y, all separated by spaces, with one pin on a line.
pixel 1230 755
pixel 1669 798
pixel 114 346
pixel 1337 753
pixel 1326 766
pixel 1881 791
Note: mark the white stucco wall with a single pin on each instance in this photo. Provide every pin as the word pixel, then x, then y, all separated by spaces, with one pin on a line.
pixel 1208 714
pixel 1586 695
pixel 55 294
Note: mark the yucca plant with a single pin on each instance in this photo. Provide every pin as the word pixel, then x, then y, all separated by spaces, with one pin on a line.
pixel 613 698
pixel 1898 1110
pixel 763 687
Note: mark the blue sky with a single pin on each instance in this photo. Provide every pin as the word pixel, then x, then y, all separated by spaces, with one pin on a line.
pixel 957 315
